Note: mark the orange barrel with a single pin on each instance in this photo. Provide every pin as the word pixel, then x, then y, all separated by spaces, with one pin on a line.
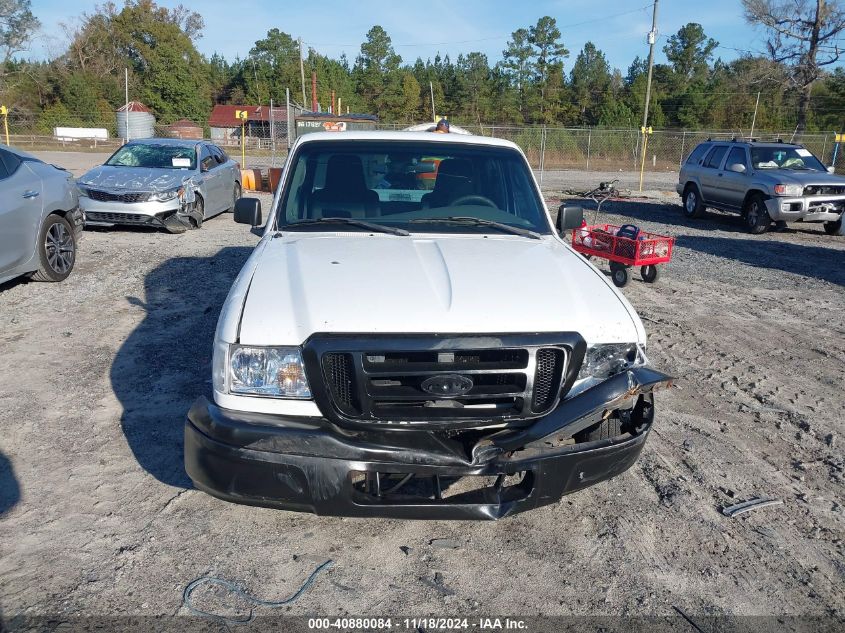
pixel 275 177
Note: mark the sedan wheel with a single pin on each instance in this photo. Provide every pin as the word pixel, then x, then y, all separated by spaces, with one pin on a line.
pixel 56 250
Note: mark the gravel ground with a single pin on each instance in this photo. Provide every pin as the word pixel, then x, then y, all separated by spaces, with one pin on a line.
pixel 97 516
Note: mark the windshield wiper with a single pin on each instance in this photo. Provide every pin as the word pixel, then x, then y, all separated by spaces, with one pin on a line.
pixel 370 226
pixel 470 221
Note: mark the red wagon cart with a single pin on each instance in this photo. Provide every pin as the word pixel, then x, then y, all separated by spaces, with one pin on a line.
pixel 624 246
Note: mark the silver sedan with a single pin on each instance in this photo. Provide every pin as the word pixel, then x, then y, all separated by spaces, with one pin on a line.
pixel 40 218
pixel 170 183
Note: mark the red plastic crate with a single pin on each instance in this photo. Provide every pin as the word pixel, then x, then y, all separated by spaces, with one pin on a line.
pixel 600 240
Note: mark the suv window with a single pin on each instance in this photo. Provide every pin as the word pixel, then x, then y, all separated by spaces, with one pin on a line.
pixel 736 157
pixel 698 153
pixel 714 158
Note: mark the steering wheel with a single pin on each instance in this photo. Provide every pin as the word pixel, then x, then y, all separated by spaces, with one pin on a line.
pixel 472 198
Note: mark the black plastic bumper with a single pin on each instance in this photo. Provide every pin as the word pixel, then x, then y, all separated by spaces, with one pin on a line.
pixel 310 465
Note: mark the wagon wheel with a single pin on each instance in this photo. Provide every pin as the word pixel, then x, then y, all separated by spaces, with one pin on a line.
pixel 619 274
pixel 650 273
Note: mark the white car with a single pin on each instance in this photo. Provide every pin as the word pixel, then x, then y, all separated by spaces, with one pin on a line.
pixel 390 349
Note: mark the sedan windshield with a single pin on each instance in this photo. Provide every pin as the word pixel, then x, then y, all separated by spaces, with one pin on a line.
pixel 414 186
pixel 784 158
pixel 154 156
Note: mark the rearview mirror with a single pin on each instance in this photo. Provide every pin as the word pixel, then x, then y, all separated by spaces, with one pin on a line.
pixel 831 170
pixel 738 168
pixel 248 211
pixel 569 218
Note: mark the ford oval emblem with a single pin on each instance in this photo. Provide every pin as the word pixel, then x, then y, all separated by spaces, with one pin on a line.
pixel 447 385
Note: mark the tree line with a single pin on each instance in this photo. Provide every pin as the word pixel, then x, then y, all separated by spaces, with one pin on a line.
pixel 536 81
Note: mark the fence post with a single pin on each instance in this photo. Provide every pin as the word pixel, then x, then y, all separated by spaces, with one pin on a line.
pixel 542 152
pixel 824 146
pixel 683 142
pixel 589 144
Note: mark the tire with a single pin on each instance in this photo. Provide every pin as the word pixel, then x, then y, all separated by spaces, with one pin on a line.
pixel 56 250
pixel 756 215
pixel 619 274
pixel 604 430
pixel 235 197
pixel 199 210
pixel 693 206
pixel 835 228
pixel 650 273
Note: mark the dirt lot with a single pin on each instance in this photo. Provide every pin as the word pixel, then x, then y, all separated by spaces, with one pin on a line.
pixel 97 516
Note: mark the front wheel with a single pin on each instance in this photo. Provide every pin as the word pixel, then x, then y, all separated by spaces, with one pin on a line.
pixel 56 250
pixel 619 274
pixel 757 218
pixel 835 228
pixel 650 273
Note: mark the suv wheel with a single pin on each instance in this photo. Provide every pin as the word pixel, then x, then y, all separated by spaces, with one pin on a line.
pixel 756 215
pixel 835 228
pixel 693 207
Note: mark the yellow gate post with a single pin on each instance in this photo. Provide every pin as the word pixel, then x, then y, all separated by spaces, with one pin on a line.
pixel 242 114
pixel 646 131
pixel 5 112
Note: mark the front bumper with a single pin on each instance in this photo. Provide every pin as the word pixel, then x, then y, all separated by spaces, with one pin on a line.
pixel 311 465
pixel 806 209
pixel 99 213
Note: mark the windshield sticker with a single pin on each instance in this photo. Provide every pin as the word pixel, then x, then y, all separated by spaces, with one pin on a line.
pixel 803 152
pixel 181 162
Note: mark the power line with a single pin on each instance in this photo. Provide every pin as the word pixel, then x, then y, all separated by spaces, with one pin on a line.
pixel 493 37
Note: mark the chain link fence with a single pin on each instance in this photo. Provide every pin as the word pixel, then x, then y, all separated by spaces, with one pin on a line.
pixel 563 158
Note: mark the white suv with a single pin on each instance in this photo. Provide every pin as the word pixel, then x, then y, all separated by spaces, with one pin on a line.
pixel 412 338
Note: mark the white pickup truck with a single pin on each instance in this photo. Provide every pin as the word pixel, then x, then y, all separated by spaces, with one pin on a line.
pixel 412 338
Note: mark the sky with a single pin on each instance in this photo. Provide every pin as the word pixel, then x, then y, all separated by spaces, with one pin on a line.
pixel 422 29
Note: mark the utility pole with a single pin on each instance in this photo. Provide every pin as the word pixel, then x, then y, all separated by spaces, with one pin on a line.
pixel 302 71
pixel 126 86
pixel 433 111
pixel 652 39
pixel 754 120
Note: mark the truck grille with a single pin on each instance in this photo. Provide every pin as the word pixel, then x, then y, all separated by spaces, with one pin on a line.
pixel 824 190
pixel 420 381
pixel 107 196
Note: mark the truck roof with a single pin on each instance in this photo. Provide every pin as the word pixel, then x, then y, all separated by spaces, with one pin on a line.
pixel 373 135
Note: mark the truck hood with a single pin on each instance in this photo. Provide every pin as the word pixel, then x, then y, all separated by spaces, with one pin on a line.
pixel 360 283
pixel 134 178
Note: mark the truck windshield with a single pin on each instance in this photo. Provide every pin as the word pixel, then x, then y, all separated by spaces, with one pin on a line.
pixel 416 186
pixel 785 158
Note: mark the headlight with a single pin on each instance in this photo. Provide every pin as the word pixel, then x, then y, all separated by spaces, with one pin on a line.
pixel 164 196
pixel 789 190
pixel 277 372
pixel 82 190
pixel 604 361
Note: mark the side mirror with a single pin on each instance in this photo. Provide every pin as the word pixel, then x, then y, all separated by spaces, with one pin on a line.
pixel 831 170
pixel 248 211
pixel 569 218
pixel 738 168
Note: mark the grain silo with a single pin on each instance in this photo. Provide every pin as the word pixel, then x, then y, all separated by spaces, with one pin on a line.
pixel 140 118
